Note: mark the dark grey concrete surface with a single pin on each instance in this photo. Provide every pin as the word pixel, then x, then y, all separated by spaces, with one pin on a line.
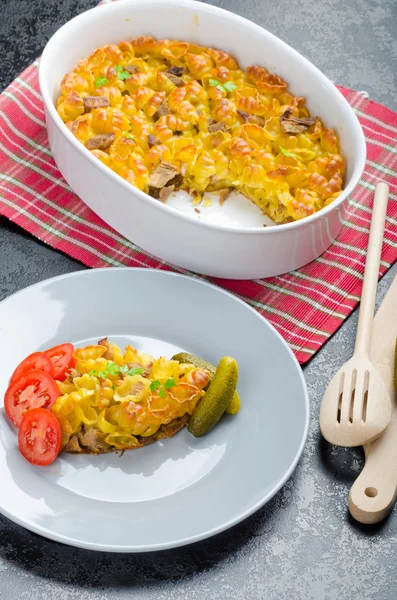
pixel 302 545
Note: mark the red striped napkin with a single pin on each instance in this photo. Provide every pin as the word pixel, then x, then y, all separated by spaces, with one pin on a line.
pixel 306 306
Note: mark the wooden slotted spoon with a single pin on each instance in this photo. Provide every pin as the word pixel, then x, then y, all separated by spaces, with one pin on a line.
pixel 373 493
pixel 356 407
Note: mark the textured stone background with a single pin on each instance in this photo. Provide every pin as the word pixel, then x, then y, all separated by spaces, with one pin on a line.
pixel 302 545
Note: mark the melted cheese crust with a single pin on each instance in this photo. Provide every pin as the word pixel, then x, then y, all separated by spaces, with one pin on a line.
pixel 176 115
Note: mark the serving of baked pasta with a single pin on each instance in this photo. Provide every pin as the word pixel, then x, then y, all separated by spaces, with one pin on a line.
pixel 115 401
pixel 168 115
pixel 99 399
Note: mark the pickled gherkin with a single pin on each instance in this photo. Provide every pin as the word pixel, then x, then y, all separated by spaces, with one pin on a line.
pixel 217 398
pixel 185 357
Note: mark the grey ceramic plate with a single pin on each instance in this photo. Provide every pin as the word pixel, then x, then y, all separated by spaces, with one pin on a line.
pixel 179 490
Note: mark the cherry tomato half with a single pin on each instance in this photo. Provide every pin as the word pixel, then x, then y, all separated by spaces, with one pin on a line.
pixel 34 389
pixel 39 436
pixel 62 359
pixel 38 361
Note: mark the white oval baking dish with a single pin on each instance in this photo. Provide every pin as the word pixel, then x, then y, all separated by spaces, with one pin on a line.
pixel 211 249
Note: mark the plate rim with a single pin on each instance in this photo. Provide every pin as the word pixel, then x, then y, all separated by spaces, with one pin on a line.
pixel 241 516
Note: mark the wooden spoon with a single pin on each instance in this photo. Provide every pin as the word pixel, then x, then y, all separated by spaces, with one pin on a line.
pixel 356 407
pixel 373 493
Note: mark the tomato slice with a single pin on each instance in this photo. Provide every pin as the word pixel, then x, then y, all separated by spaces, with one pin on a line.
pixel 34 389
pixel 39 436
pixel 62 359
pixel 38 361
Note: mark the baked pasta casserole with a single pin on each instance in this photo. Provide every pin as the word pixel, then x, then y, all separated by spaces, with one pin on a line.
pixel 168 115
pixel 114 400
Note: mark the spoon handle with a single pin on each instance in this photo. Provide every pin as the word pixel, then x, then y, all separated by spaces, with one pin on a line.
pixel 371 272
pixel 374 491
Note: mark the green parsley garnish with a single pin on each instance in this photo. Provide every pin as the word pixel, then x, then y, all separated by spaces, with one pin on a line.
pixel 114 370
pixel 128 136
pixel 101 80
pixel 286 153
pixel 122 74
pixel 110 369
pixel 229 86
pixel 133 371
pixel 169 383
pixel 156 385
pixel 215 83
